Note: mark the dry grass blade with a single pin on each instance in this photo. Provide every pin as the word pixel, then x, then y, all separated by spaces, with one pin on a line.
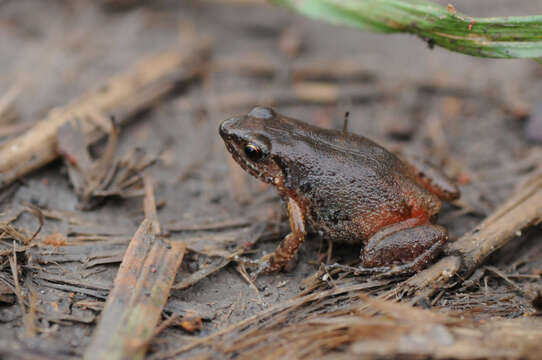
pixel 140 292
pixel 216 265
pixel 36 212
pixel 18 291
pixel 95 253
pixel 279 314
pixel 12 237
pixel 210 224
pixel 7 288
pixel 376 328
pixel 123 95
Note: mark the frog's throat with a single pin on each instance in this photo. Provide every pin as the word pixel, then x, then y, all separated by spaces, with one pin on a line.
pixel 258 172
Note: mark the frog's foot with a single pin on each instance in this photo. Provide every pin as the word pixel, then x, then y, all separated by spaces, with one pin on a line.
pixel 359 270
pixel 253 264
pixel 264 266
pixel 284 258
pixel 268 264
pixel 433 179
pixel 249 263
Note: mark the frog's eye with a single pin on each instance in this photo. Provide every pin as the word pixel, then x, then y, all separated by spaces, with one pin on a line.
pixel 254 152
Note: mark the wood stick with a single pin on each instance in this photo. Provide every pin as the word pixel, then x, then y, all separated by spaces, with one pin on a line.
pixel 123 96
pixel 522 210
pixel 140 291
pixel 8 130
pixel 7 111
pixel 300 70
pixel 307 92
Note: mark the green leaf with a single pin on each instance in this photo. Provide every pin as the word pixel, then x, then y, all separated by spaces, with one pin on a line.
pixel 497 37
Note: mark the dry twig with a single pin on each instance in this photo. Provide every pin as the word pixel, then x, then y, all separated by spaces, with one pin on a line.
pixel 522 210
pixel 309 92
pixel 7 105
pixel 123 95
pixel 301 70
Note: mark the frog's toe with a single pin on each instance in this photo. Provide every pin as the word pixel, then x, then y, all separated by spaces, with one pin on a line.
pixel 262 269
pixel 291 264
pixel 247 262
pixel 265 265
pixel 359 270
pixel 336 266
pixel 398 270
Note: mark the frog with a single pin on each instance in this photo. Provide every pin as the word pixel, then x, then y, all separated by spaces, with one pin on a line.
pixel 344 187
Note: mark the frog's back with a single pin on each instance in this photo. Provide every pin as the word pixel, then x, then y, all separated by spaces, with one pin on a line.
pixel 351 186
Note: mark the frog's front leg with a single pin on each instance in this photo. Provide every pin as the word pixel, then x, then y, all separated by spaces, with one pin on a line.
pixel 287 249
pixel 401 248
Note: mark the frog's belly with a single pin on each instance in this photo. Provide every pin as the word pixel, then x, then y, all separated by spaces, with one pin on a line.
pixel 356 230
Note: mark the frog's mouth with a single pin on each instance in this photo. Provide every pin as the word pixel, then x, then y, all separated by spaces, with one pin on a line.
pixel 261 170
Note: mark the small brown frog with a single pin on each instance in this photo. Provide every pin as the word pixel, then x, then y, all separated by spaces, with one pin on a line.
pixel 343 186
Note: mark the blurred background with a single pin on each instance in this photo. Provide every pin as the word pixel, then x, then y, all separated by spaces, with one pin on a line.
pixel 479 119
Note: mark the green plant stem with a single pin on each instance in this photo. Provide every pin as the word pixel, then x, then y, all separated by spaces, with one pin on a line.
pixel 497 37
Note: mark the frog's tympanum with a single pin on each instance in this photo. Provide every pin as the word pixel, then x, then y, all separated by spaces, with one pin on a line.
pixel 343 186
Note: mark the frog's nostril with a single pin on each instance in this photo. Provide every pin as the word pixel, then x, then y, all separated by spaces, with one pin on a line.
pixel 261 112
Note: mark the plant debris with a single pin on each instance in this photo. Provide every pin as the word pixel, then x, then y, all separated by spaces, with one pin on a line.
pixel 95 180
pixel 140 291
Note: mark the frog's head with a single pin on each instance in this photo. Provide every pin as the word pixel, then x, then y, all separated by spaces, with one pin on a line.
pixel 249 141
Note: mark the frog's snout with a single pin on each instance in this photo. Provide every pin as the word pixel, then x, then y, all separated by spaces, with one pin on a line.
pixel 225 128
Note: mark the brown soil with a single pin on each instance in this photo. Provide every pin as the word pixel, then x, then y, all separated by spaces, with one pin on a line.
pixel 466 114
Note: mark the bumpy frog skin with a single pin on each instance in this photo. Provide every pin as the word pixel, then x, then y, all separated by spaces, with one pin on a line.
pixel 344 186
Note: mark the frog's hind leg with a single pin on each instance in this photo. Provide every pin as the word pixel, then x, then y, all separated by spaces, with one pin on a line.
pixel 406 251
pixel 433 179
pixel 400 249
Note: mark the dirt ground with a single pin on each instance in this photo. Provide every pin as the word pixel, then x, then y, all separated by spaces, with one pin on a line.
pixel 471 116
